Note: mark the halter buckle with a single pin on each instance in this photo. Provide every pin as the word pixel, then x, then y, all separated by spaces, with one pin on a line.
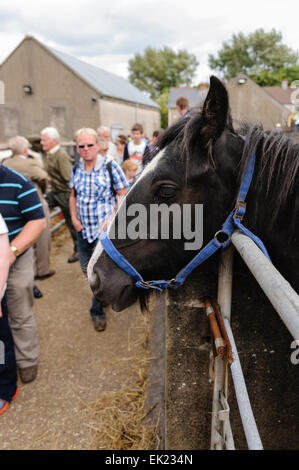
pixel 172 282
pixel 145 284
pixel 237 207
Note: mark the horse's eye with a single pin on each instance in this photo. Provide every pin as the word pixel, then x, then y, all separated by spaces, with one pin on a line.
pixel 166 191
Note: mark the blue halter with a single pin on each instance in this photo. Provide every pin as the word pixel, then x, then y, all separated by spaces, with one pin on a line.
pixel 220 240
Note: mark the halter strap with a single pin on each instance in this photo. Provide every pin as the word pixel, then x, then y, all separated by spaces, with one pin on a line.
pixel 221 240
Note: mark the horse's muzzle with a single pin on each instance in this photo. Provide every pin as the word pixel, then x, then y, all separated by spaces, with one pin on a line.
pixel 116 289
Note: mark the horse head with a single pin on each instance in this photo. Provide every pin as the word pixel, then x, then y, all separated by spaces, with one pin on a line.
pixel 196 167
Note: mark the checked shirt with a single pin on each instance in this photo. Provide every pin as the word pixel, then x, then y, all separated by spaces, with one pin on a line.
pixel 94 196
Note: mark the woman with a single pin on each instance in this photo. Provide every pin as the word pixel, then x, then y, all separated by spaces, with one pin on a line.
pixel 120 145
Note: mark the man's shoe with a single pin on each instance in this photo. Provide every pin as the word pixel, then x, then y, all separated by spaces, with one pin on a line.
pixel 28 374
pixel 99 323
pixel 45 276
pixel 37 293
pixel 5 404
pixel 73 258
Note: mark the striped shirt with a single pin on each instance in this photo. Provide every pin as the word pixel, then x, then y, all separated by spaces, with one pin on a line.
pixel 94 196
pixel 19 201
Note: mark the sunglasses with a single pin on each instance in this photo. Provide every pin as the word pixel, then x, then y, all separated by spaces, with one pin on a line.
pixel 87 145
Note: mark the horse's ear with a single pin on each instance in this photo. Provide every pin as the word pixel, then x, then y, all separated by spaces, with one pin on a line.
pixel 215 113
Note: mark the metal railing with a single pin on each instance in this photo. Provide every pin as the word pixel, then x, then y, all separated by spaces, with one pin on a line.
pixel 59 224
pixel 285 301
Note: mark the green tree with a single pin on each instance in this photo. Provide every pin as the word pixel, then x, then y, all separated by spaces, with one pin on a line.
pixel 156 70
pixel 162 101
pixel 260 54
pixel 266 78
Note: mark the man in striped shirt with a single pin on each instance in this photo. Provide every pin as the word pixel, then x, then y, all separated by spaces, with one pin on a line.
pixel 22 211
pixel 92 202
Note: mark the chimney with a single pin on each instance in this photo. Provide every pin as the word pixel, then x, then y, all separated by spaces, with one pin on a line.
pixel 284 84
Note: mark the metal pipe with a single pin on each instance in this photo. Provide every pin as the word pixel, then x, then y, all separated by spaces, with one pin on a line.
pixel 250 429
pixel 54 213
pixel 57 226
pixel 280 293
pixel 225 281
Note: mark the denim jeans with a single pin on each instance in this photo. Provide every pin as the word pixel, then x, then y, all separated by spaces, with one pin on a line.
pixel 85 251
pixel 8 367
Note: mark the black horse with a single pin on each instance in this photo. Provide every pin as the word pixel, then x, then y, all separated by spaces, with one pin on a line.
pixel 202 160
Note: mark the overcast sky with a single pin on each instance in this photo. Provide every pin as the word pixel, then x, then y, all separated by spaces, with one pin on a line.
pixel 108 33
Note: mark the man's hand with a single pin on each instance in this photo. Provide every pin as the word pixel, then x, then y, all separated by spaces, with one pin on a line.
pixel 77 224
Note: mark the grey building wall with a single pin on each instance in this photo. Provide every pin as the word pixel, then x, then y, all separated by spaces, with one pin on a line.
pixel 60 98
pixel 116 113
pixel 249 102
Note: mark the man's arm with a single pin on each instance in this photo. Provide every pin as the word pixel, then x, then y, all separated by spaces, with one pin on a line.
pixel 121 194
pixel 65 165
pixel 28 236
pixel 73 210
pixel 39 176
pixel 4 262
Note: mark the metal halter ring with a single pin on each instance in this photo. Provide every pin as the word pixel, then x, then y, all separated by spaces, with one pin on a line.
pixel 221 237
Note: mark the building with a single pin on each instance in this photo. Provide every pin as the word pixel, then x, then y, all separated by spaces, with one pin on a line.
pixel 288 97
pixel 195 96
pixel 252 103
pixel 45 87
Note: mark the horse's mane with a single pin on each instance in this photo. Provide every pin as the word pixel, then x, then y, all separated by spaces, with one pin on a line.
pixel 173 133
pixel 277 165
pixel 277 157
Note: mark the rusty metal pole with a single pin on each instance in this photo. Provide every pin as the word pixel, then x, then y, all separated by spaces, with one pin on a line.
pixel 219 427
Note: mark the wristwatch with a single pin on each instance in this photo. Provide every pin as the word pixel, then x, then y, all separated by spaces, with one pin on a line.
pixel 15 251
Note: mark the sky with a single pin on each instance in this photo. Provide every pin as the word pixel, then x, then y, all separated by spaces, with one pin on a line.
pixel 108 33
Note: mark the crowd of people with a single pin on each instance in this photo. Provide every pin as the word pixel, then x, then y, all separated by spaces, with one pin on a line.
pixel 88 192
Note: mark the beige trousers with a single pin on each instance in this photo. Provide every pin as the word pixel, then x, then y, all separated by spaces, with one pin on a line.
pixel 19 295
pixel 42 247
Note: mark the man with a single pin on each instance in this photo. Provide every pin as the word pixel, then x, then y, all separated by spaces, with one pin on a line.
pixel 104 133
pixel 152 149
pixel 136 148
pixel 24 216
pixel 182 106
pixel 92 202
pixel 58 165
pixel 8 369
pixel 31 168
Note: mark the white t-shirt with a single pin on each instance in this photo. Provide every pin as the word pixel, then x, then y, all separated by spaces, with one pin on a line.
pixel 136 153
pixel 3 229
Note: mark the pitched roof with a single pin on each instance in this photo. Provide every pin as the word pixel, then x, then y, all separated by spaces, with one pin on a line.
pixel 105 83
pixel 258 88
pixel 195 96
pixel 279 94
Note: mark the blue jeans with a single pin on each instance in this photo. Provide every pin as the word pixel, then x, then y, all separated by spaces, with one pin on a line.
pixel 85 251
pixel 8 369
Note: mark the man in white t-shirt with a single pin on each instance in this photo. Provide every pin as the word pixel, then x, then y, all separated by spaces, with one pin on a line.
pixel 134 150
